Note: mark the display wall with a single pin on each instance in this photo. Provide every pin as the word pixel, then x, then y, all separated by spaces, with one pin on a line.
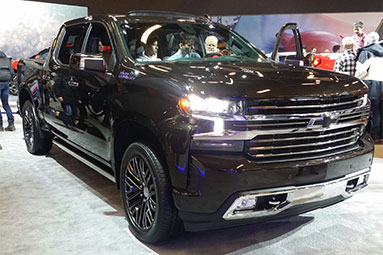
pixel 321 31
pixel 28 27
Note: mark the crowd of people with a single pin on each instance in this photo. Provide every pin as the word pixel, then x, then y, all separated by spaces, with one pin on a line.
pixel 363 57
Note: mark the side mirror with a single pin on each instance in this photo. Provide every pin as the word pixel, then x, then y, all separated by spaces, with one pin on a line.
pixel 84 62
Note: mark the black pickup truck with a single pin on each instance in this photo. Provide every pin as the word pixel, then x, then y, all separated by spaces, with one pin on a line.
pixel 196 139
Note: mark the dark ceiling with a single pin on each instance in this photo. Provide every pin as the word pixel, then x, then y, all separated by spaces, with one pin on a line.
pixel 227 7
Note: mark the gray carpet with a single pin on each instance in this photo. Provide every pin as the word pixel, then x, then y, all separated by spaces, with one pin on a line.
pixel 54 204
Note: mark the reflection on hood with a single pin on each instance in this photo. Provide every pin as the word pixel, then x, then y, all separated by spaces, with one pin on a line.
pixel 2 55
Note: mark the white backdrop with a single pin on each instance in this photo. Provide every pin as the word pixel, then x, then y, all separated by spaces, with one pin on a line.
pixel 28 27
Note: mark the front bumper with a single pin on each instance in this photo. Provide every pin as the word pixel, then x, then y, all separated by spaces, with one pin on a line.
pixel 273 201
pixel 218 183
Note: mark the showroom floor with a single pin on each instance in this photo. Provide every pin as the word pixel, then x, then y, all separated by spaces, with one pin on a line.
pixel 54 204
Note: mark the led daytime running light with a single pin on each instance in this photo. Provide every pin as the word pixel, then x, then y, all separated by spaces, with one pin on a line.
pixel 212 105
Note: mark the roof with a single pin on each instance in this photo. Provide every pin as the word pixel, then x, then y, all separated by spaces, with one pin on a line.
pixel 157 16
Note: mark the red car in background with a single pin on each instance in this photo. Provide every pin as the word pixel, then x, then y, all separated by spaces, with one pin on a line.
pixel 325 61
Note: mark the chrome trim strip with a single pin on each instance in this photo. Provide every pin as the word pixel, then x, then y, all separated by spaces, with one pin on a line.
pixel 353 116
pixel 307 157
pixel 298 195
pixel 300 145
pixel 251 134
pixel 303 137
pixel 272 124
pixel 270 155
pixel 308 115
pixel 304 106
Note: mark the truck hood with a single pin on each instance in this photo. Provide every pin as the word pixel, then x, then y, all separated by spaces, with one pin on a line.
pixel 257 80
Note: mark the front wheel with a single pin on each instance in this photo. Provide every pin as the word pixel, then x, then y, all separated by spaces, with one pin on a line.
pixel 146 195
pixel 38 141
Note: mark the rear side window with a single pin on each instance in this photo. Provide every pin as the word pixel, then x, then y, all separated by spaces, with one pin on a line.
pixel 71 42
pixel 98 41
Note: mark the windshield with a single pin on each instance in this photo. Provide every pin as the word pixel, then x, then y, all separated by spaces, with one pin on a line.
pixel 186 42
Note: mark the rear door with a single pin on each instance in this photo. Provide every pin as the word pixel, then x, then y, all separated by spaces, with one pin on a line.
pixel 62 103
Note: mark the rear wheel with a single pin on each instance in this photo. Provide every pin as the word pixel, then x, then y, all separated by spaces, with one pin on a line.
pixel 38 142
pixel 146 195
pixel 13 86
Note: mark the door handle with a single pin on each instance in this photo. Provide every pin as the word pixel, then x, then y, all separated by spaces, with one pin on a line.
pixel 73 83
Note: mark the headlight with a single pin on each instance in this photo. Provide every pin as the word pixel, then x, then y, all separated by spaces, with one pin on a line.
pixel 209 106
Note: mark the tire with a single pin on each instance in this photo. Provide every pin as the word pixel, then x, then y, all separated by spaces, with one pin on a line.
pixel 13 86
pixel 146 196
pixel 38 142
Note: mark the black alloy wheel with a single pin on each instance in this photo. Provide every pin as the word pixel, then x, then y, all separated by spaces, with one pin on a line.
pixel 28 126
pixel 140 192
pixel 13 86
pixel 146 195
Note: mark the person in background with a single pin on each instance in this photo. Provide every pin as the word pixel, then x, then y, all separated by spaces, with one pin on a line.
pixel 106 52
pixel 211 47
pixel 150 51
pixel 211 44
pixel 346 62
pixel 359 36
pixel 6 75
pixel 185 48
pixel 336 49
pixel 369 68
pixel 314 50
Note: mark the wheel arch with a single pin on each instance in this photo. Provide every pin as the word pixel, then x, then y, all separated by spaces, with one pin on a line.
pixel 132 129
pixel 24 96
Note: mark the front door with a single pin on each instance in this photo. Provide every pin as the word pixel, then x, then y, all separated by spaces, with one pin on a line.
pixel 288 46
pixel 95 87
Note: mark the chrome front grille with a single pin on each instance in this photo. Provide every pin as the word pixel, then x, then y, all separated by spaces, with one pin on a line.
pixel 304 145
pixel 302 105
pixel 303 129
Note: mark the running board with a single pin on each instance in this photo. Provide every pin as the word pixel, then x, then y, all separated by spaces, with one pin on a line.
pixel 84 160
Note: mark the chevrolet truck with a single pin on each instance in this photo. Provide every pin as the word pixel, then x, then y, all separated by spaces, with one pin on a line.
pixel 196 140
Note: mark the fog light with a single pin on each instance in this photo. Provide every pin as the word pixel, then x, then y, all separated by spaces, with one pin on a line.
pixel 247 203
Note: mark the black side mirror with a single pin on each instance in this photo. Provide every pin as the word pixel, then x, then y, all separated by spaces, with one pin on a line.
pixel 84 62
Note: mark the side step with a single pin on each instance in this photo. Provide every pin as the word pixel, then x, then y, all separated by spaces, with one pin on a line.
pixel 83 158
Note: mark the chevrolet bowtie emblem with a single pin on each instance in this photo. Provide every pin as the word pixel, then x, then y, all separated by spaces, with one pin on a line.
pixel 323 121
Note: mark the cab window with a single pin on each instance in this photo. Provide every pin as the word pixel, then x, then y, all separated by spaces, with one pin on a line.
pixel 99 43
pixel 71 43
